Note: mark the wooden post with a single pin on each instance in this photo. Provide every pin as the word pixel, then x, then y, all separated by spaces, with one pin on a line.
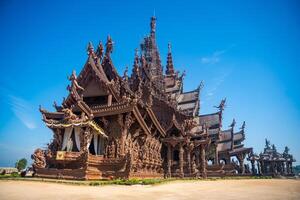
pixel 259 167
pixel 189 160
pixel 181 160
pixel 169 160
pixel 203 161
pixel 253 167
pixel 109 100
pixel 216 156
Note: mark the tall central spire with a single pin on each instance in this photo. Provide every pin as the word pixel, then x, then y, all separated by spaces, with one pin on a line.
pixel 153 69
pixel 153 26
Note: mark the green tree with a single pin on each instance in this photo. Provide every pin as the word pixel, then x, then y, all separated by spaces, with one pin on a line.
pixel 21 164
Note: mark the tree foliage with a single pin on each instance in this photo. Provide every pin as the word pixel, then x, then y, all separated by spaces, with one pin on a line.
pixel 21 164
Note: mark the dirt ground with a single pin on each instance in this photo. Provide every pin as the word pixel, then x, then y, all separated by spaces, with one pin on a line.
pixel 221 189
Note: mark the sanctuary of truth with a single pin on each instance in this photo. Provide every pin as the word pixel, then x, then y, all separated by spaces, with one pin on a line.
pixel 142 125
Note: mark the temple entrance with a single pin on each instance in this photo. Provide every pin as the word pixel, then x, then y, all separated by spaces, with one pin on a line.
pixel 97 145
pixel 74 147
pixel 91 148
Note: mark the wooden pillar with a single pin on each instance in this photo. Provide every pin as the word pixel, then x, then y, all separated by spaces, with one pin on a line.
pixel 189 160
pixel 253 166
pixel 169 161
pixel 258 168
pixel 203 161
pixel 109 100
pixel 181 160
pixel 291 168
pixel 216 156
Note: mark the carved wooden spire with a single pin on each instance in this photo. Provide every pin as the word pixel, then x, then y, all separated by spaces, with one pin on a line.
pixel 232 123
pixel 243 126
pixel 135 70
pixel 109 46
pixel 100 50
pixel 90 49
pixel 153 26
pixel 170 66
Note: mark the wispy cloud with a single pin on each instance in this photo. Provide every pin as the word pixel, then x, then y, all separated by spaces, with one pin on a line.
pixel 23 110
pixel 216 56
pixel 217 83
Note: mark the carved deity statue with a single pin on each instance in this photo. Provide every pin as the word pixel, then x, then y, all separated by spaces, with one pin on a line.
pixel 39 159
pixel 286 150
pixel 69 145
pixel 69 116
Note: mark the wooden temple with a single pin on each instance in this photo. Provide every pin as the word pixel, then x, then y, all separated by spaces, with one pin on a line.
pixel 272 163
pixel 142 125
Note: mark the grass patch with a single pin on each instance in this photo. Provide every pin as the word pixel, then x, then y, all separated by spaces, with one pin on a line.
pixel 128 182
pixel 10 176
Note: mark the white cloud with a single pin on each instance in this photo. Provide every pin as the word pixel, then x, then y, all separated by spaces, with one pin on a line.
pixel 215 57
pixel 212 59
pixel 217 82
pixel 24 111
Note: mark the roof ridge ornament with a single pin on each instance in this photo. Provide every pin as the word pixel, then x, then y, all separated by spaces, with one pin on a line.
pixel 100 50
pixel 109 46
pixel 243 126
pixel 90 48
pixel 201 85
pixel 221 105
pixel 232 123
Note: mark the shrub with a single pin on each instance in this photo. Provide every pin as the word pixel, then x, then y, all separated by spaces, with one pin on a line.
pixel 21 164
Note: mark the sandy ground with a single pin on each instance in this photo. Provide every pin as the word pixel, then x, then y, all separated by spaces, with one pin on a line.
pixel 222 189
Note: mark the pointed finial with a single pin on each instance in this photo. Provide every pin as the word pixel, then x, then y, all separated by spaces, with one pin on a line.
pixel 232 123
pixel 125 76
pixel 90 48
pixel 169 47
pixel 109 46
pixel 153 25
pixel 201 85
pixel 267 143
pixel 100 50
pixel 243 125
pixel 136 52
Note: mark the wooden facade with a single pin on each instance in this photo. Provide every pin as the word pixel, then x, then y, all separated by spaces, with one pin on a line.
pixel 142 125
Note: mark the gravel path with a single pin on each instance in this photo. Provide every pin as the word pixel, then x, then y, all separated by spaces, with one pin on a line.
pixel 222 189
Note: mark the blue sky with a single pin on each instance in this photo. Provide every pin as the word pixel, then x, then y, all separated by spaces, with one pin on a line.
pixel 247 52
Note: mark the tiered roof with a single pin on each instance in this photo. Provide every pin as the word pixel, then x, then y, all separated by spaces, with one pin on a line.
pixel 231 141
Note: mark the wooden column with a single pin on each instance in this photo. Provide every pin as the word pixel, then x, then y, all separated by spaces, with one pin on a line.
pixel 189 160
pixel 181 160
pixel 259 168
pixel 291 167
pixel 216 156
pixel 109 100
pixel 169 161
pixel 253 167
pixel 203 161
